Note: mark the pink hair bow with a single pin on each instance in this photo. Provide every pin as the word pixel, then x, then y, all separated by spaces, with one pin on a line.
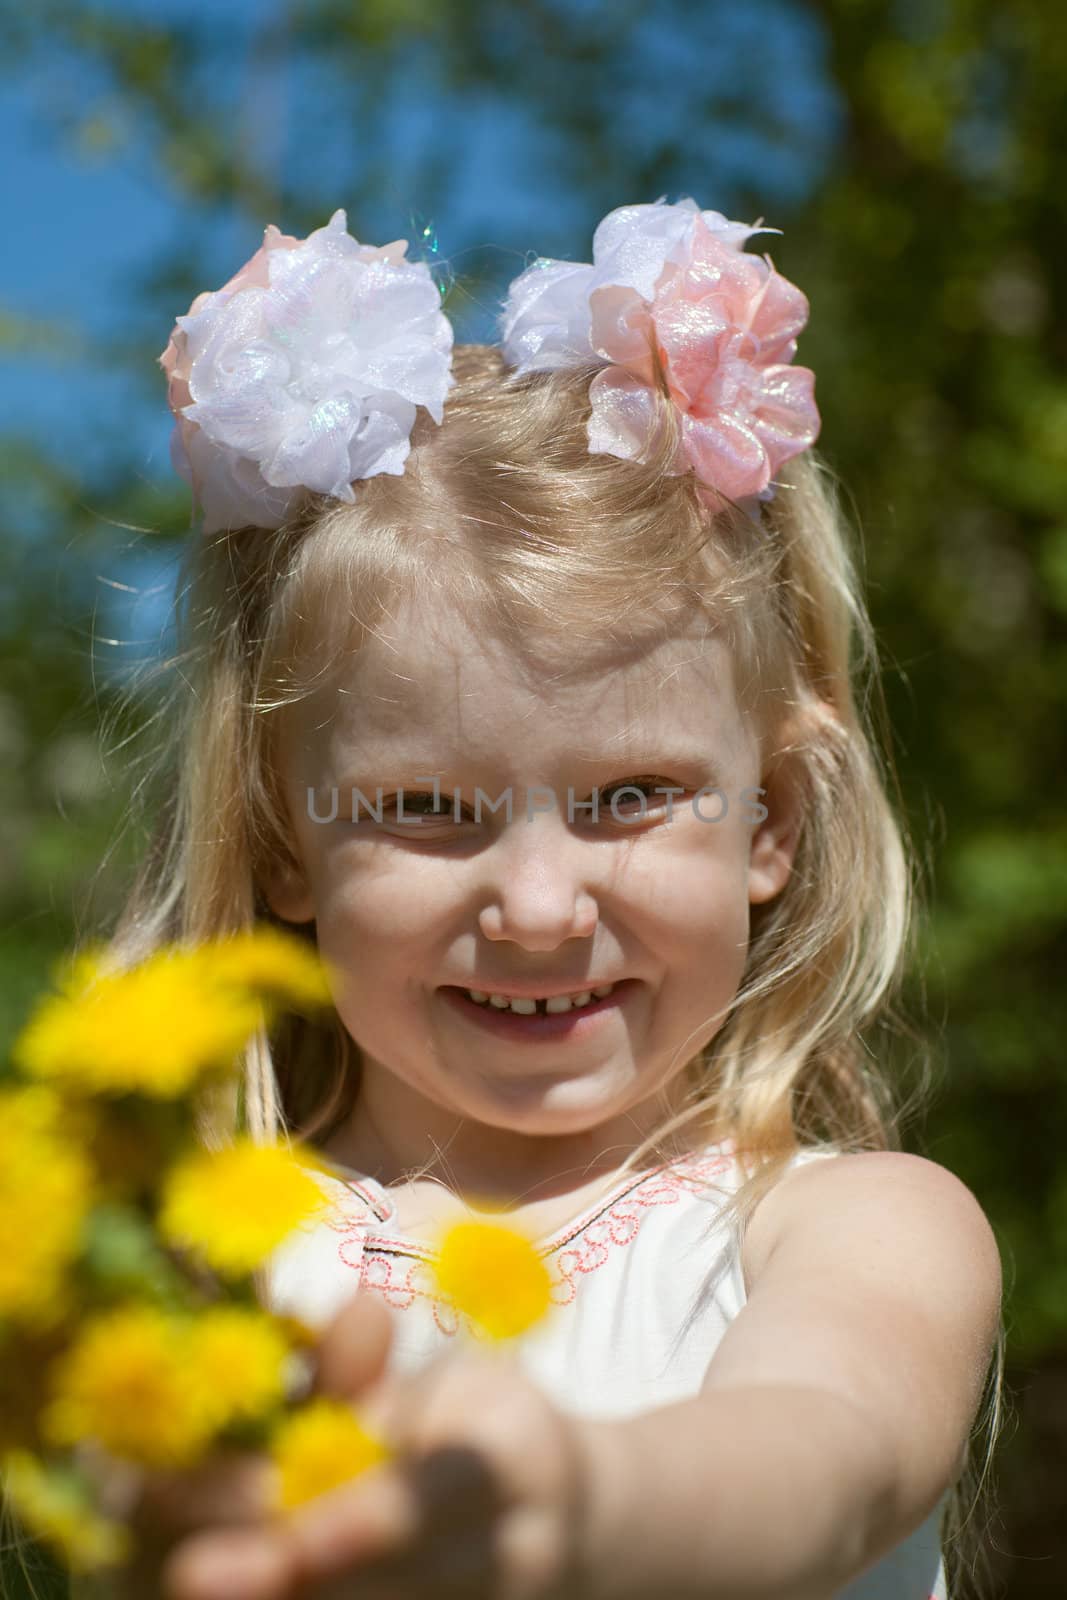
pixel 675 280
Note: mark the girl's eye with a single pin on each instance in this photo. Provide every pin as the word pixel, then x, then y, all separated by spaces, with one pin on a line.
pixel 630 802
pixel 419 806
pixel 409 808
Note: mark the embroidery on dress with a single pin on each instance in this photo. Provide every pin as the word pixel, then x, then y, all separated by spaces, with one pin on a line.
pixel 620 1223
pixel 399 1269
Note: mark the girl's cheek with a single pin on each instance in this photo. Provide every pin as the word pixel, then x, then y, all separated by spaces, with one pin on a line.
pixel 380 907
pixel 710 849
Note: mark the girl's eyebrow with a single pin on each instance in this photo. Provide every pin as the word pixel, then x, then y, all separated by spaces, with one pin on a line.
pixel 636 761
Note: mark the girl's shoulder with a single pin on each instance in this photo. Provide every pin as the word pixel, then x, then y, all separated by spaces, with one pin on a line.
pixel 857 1191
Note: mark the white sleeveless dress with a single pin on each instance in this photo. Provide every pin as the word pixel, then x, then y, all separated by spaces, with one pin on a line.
pixel 621 1339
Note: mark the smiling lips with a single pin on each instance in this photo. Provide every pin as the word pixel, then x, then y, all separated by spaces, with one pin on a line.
pixel 525 1019
pixel 551 1005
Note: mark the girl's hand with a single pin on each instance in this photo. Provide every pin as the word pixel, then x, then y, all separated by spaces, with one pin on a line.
pixel 169 1509
pixel 485 1499
pixel 169 1506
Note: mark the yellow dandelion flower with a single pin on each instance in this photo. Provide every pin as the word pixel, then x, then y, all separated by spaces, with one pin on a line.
pixel 126 1382
pixel 238 1358
pixel 45 1192
pixel 234 1206
pixel 56 1507
pixel 494 1275
pixel 76 970
pixel 153 1029
pixel 265 958
pixel 318 1448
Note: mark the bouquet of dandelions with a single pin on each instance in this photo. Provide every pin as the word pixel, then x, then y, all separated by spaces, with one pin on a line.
pixel 131 1335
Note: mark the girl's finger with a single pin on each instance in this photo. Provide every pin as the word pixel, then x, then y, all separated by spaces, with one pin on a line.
pixel 238 1564
pixel 354 1348
pixel 374 1517
pixel 228 1490
pixel 352 1360
pixel 350 1528
pixel 421 1527
pixel 232 1487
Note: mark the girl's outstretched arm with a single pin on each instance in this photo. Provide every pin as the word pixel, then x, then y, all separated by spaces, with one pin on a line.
pixel 833 1416
pixel 836 1410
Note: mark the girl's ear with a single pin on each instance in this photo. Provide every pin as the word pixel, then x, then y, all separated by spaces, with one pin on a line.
pixel 774 844
pixel 775 838
pixel 288 893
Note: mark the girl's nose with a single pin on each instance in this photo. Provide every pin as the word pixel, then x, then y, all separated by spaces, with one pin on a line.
pixel 540 893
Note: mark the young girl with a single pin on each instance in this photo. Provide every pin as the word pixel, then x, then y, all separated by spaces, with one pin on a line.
pixel 521 681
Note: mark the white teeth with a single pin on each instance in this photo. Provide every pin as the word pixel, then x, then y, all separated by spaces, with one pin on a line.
pixel 554 1004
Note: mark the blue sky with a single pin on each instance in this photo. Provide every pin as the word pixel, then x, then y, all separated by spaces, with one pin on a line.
pixel 90 212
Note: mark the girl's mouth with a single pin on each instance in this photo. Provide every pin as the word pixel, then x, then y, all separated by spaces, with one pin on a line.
pixel 540 1023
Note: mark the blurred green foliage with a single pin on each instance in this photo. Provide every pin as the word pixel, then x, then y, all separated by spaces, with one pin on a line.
pixel 940 343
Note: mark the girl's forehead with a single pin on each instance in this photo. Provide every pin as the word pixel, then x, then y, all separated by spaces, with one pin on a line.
pixel 425 673
pixel 427 638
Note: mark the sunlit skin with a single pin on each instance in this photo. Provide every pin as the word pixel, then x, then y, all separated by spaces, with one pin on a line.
pixel 404 908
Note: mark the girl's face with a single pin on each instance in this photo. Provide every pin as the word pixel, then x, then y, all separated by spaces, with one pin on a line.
pixel 439 898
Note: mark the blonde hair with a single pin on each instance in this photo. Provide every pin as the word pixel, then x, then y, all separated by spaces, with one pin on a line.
pixel 504 510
